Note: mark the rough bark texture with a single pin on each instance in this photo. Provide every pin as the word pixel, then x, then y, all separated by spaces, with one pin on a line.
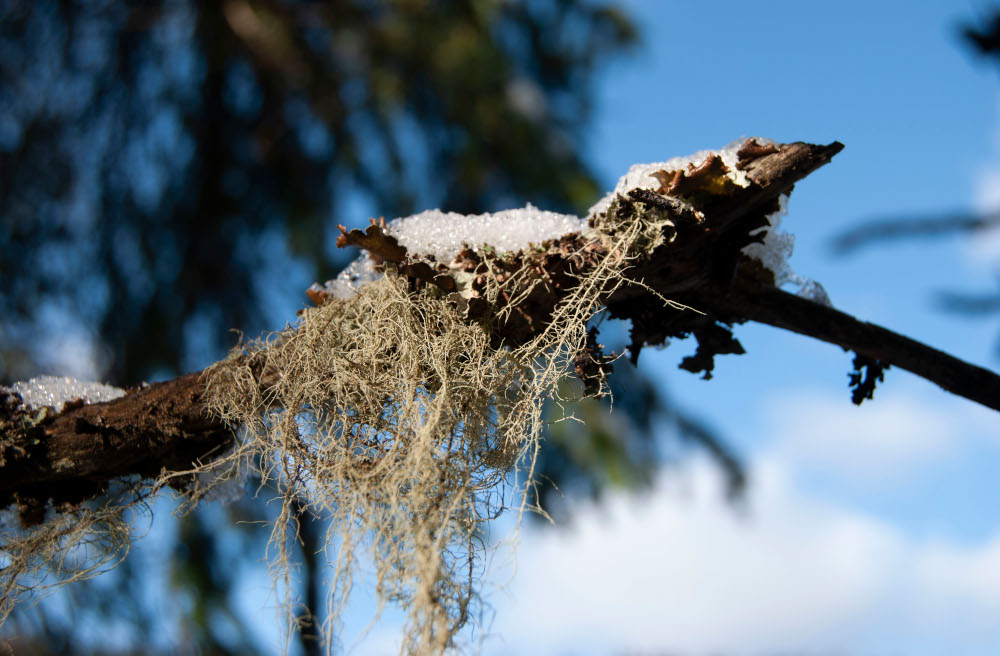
pixel 73 455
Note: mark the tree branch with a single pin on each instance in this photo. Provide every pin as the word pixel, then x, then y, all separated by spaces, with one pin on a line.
pixel 75 454
pixel 781 309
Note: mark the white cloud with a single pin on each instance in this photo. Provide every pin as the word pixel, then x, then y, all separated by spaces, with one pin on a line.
pixel 678 572
pixel 872 444
pixel 988 187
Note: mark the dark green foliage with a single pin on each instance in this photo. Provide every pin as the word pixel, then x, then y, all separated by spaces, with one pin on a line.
pixel 985 38
pixel 175 171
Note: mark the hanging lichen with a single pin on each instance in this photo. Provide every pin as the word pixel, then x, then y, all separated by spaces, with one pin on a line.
pixel 399 417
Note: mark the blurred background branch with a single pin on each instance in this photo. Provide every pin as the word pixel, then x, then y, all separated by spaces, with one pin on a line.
pixel 872 231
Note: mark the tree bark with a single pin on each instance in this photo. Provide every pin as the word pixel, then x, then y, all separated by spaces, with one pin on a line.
pixel 73 455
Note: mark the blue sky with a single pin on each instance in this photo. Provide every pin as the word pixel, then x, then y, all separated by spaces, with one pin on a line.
pixel 872 530
pixel 918 115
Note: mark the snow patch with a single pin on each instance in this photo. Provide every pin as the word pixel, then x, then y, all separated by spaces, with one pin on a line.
pixel 349 282
pixel 57 391
pixel 640 176
pixel 774 253
pixel 442 235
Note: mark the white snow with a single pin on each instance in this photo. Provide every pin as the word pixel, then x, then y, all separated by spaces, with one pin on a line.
pixel 57 391
pixel 778 244
pixel 774 253
pixel 640 176
pixel 348 282
pixel 444 234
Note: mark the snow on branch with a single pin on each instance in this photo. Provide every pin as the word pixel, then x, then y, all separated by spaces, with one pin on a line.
pixel 56 391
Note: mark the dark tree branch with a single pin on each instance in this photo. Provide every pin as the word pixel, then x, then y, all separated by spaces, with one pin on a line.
pixel 75 454
pixel 787 311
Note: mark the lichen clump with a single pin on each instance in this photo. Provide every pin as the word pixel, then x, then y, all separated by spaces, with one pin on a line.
pixel 400 418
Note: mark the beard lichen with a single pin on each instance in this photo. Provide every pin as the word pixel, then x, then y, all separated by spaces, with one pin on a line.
pixel 401 420
pixel 74 543
pixel 407 417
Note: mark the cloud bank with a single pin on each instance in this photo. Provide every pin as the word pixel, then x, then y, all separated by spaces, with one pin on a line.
pixel 791 572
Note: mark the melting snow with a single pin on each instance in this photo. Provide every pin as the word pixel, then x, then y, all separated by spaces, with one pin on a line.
pixel 774 253
pixel 355 275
